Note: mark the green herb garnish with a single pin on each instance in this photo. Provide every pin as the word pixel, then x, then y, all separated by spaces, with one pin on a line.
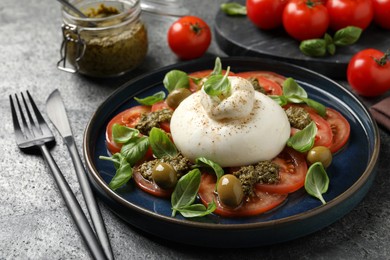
pixel 303 140
pixel 176 79
pixel 317 181
pixel 233 9
pixel 161 144
pixel 218 85
pixel 150 100
pixel 202 161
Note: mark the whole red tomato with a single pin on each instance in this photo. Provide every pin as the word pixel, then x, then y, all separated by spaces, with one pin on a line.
pixel 265 14
pixel 345 13
pixel 305 19
pixel 189 37
pixel 368 72
pixel 382 13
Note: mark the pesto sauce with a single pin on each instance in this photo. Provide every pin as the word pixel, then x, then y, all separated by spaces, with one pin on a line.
pixel 298 117
pixel 265 172
pixel 149 120
pixel 256 85
pixel 180 163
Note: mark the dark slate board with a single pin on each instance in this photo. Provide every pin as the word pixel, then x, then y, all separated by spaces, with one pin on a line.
pixel 237 36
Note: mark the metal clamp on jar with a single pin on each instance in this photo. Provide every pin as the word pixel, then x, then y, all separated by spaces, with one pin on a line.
pixel 111 41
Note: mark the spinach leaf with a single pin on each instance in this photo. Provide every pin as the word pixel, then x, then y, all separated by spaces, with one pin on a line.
pixel 150 100
pixel 122 134
pixel 218 85
pixel 185 191
pixel 135 149
pixel 217 169
pixel 303 140
pixel 176 79
pixel 317 181
pixel 161 144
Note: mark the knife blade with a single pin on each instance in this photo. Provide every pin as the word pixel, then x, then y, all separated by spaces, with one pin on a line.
pixel 57 114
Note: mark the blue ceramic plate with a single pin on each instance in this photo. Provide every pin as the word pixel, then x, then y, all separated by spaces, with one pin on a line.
pixel 351 173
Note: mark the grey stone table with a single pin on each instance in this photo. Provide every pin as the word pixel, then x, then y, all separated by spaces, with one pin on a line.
pixel 34 222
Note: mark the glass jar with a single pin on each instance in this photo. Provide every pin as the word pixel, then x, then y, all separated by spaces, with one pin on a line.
pixel 111 41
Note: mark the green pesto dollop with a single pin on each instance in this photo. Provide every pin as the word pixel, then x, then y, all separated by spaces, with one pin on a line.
pixel 298 117
pixel 180 163
pixel 149 120
pixel 256 85
pixel 262 172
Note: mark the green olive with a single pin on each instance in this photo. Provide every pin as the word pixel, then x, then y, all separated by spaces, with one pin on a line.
pixel 230 190
pixel 164 175
pixel 177 96
pixel 320 154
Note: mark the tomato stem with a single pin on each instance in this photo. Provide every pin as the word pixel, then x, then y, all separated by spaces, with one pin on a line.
pixel 383 60
pixel 196 28
pixel 312 4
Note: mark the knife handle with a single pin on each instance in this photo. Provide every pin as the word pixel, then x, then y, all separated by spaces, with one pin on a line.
pixel 90 201
pixel 74 207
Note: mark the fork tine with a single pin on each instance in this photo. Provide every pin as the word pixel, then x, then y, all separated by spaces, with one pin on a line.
pixel 41 121
pixel 34 127
pixel 17 128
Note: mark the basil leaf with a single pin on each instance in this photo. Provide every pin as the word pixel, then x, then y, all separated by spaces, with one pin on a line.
pixel 122 134
pixel 313 47
pixel 176 79
pixel 292 91
pixel 217 169
pixel 198 210
pixel 303 140
pixel 320 108
pixel 281 100
pixel 317 181
pixel 185 191
pixel 150 100
pixel 347 36
pixel 217 67
pixel 330 47
pixel 233 9
pixel 123 173
pixel 161 144
pixel 114 159
pixel 218 85
pixel 135 149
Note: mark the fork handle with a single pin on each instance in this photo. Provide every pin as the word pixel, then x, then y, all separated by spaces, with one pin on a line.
pixel 74 207
pixel 90 201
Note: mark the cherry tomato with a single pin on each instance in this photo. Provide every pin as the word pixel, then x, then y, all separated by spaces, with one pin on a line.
pixel 305 19
pixel 189 37
pixel 343 13
pixel 382 13
pixel 265 14
pixel 292 170
pixel 340 129
pixel 262 202
pixel 127 118
pixel 271 87
pixel 368 72
pixel 195 85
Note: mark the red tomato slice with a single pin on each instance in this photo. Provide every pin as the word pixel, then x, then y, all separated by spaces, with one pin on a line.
pixel 271 87
pixel 202 74
pixel 275 77
pixel 127 118
pixel 293 169
pixel 263 201
pixel 324 135
pixel 340 129
pixel 150 187
pixel 166 126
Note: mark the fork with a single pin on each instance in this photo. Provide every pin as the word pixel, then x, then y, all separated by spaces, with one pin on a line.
pixel 32 135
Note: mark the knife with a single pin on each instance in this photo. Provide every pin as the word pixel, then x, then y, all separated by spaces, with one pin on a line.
pixel 57 114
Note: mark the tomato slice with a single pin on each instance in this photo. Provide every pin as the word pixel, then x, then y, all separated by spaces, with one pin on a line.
pixel 324 135
pixel 166 126
pixel 261 203
pixel 149 186
pixel 292 170
pixel 340 128
pixel 271 84
pixel 202 74
pixel 127 118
